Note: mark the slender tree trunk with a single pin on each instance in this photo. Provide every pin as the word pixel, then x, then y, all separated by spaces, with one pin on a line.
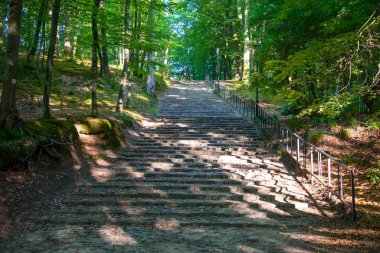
pixel 49 64
pixel 43 43
pixel 94 62
pixel 151 85
pixel 41 16
pixel 125 85
pixel 126 33
pixel 103 32
pixel 8 110
pixel 105 60
pixel 165 71
pixel 67 40
pixel 247 42
pixel 3 13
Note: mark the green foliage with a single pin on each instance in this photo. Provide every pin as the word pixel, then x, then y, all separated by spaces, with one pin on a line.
pixel 315 136
pixel 346 159
pixel 374 176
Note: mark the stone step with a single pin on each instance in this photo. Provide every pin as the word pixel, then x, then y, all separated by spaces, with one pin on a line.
pixel 273 206
pixel 184 127
pixel 170 193
pixel 172 153
pixel 165 139
pixel 190 163
pixel 194 180
pixel 212 161
pixel 174 212
pixel 263 182
pixel 204 145
pixel 173 195
pixel 246 187
pixel 188 149
pixel 216 175
pixel 163 221
pixel 187 130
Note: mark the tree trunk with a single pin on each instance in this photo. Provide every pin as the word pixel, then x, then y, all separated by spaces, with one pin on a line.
pixel 67 40
pixel 165 71
pixel 43 43
pixel 247 42
pixel 126 33
pixel 125 84
pixel 8 110
pixel 49 63
pixel 41 17
pixel 151 85
pixel 94 62
pixel 3 14
pixel 103 33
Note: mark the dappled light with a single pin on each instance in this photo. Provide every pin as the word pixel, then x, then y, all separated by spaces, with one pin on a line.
pixel 189 126
pixel 115 235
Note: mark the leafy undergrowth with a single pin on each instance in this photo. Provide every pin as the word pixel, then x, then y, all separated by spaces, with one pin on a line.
pixel 354 139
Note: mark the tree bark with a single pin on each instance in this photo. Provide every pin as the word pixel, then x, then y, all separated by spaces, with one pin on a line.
pixel 126 33
pixel 3 14
pixel 151 85
pixel 8 110
pixel 67 40
pixel 94 62
pixel 41 16
pixel 247 42
pixel 125 84
pixel 165 71
pixel 49 62
pixel 103 32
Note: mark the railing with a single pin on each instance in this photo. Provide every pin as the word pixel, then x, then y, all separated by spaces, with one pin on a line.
pixel 322 168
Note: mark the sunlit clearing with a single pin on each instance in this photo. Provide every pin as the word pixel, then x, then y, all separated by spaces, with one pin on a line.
pixel 115 235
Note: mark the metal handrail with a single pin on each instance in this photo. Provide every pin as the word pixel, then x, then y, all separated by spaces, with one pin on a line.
pixel 322 167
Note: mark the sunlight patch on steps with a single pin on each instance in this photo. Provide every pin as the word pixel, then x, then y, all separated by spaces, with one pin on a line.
pixel 115 235
pixel 167 224
pixel 102 175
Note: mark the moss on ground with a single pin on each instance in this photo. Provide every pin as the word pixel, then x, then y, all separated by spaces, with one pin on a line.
pixel 111 129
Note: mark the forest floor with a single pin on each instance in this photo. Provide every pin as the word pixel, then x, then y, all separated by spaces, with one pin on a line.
pixel 30 188
pixel 354 142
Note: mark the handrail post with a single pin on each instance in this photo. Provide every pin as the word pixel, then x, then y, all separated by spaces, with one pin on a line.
pixel 353 194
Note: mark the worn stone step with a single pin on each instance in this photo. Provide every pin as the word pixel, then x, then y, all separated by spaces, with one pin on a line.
pixel 184 144
pixel 273 206
pixel 215 175
pixel 190 153
pixel 162 222
pixel 129 194
pixel 245 187
pixel 188 149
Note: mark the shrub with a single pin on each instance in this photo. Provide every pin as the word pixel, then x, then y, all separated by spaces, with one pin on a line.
pixel 316 136
pixel 374 176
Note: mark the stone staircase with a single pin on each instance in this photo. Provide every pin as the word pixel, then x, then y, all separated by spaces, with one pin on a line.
pixel 196 178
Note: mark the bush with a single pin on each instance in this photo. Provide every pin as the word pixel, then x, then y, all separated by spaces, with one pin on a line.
pixel 315 136
pixel 374 176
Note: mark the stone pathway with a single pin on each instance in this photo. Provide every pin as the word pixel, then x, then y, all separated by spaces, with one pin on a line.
pixel 194 179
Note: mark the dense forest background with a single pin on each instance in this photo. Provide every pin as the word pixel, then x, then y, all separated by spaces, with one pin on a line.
pixel 319 58
pixel 315 62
